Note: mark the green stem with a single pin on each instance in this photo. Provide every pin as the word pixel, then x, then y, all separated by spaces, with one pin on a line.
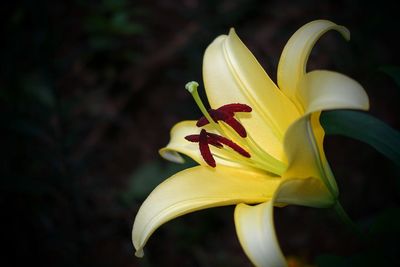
pixel 192 88
pixel 344 217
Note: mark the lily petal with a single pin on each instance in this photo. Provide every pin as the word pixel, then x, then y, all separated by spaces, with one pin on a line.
pixel 256 232
pixel 293 61
pixel 304 147
pixel 195 189
pixel 310 192
pixel 324 90
pixel 233 75
pixel 178 144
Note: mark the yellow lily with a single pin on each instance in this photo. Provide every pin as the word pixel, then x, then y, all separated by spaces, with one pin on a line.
pixel 272 156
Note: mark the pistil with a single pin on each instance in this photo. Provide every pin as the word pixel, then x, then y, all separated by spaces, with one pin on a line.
pixel 192 88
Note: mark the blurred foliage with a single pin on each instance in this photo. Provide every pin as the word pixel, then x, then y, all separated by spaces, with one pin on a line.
pixel 109 25
pixel 148 176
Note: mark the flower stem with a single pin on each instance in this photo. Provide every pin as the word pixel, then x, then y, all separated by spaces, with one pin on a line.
pixel 344 217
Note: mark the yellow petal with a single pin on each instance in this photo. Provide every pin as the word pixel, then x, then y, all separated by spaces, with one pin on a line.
pixel 178 144
pixel 195 189
pixel 304 147
pixel 233 75
pixel 323 90
pixel 256 232
pixel 293 61
pixel 310 192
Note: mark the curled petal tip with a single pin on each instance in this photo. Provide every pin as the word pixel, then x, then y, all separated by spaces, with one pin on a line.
pixel 139 253
pixel 171 155
pixel 344 32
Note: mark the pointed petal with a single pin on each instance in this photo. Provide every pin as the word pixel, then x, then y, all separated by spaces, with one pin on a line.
pixel 256 232
pixel 304 147
pixel 195 189
pixel 293 61
pixel 233 75
pixel 324 90
pixel 178 144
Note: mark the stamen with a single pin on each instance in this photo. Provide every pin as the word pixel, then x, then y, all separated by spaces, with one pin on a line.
pixel 235 107
pixel 229 143
pixel 215 115
pixel 205 138
pixel 219 115
pixel 205 149
pixel 237 126
pixel 226 114
pixel 195 138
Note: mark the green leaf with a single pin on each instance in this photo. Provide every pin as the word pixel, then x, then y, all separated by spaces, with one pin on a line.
pixel 366 128
pixel 145 178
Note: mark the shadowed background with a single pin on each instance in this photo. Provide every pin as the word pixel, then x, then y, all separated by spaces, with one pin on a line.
pixel 90 89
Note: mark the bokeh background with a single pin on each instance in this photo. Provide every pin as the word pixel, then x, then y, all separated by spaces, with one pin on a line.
pixel 90 89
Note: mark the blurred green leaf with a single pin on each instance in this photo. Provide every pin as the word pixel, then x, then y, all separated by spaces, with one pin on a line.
pixel 42 94
pixel 118 24
pixel 149 175
pixel 393 72
pixel 366 128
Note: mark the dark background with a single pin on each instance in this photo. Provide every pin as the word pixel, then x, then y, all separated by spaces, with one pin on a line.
pixel 90 89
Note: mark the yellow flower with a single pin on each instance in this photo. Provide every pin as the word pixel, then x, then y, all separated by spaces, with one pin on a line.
pixel 259 146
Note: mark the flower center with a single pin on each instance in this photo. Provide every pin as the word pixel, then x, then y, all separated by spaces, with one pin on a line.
pixel 226 127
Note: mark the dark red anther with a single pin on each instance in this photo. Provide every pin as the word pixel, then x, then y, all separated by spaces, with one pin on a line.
pixel 205 149
pixel 231 144
pixel 220 115
pixel 203 120
pixel 205 139
pixel 237 126
pixel 226 114
pixel 235 107
pixel 228 110
pixel 215 114
pixel 195 138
